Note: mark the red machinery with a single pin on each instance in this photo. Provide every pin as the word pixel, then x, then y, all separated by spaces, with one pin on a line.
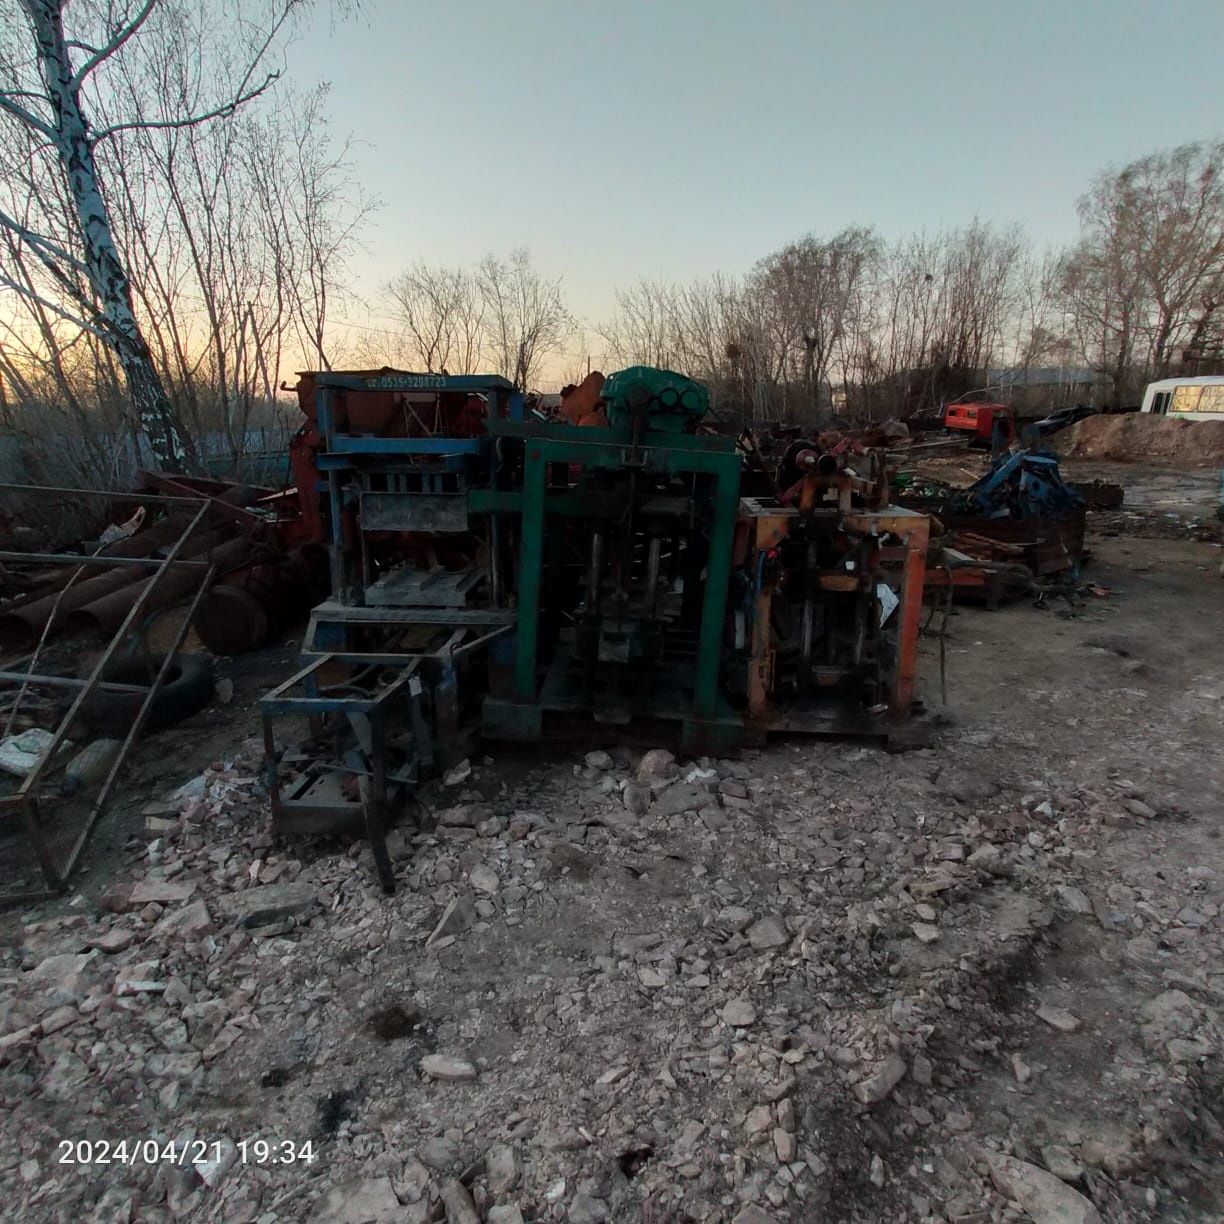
pixel 987 423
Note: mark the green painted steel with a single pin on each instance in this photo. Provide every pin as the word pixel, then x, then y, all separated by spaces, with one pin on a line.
pixel 670 402
pixel 667 451
pixel 718 576
pixel 531 562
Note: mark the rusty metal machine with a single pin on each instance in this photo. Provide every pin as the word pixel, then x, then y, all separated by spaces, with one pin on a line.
pixel 492 570
pixel 659 578
pixel 385 463
pixel 829 586
pixel 622 541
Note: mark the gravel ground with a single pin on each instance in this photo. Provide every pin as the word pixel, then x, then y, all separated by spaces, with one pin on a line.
pixel 981 981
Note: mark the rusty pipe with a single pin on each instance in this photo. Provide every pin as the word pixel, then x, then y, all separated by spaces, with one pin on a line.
pixel 142 544
pixel 21 627
pixel 251 604
pixel 104 616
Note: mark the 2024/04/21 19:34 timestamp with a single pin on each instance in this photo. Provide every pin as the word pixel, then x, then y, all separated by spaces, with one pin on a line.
pixel 190 1152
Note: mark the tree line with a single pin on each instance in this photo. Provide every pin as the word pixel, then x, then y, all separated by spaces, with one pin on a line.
pixel 876 328
pixel 176 220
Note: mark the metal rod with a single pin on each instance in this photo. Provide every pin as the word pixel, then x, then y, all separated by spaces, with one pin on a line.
pixel 57 491
pixel 650 596
pixel 495 597
pixel 133 617
pixel 95 813
pixel 41 681
pixel 99 559
pixel 595 573
pixel 33 826
pixel 226 509
pixel 46 633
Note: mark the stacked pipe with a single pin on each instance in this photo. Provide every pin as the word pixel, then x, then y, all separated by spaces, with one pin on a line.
pixel 105 614
pixel 250 605
pixel 21 626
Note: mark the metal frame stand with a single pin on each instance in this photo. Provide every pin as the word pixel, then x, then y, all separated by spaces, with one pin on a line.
pixel 314 802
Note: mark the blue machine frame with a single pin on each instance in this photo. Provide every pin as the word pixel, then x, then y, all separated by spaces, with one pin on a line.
pixel 436 468
pixel 345 453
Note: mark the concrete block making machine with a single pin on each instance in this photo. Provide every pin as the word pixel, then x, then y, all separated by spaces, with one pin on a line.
pixel 495 572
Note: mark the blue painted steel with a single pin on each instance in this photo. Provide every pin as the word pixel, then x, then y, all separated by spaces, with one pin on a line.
pixel 370 444
pixel 469 384
pixel 345 462
pixel 1019 485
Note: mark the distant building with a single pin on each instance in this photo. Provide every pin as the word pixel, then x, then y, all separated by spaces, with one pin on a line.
pixel 1046 376
pixel 1048 386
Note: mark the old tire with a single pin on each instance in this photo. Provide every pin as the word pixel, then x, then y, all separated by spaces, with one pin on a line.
pixel 187 689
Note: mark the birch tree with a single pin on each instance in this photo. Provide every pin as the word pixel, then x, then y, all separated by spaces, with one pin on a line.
pixel 60 96
pixel 1147 276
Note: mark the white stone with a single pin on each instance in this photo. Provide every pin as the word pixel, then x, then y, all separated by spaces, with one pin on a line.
pixel 449 1070
pixel 739 1013
pixel 484 879
pixel 1045 1198
pixel 1058 1018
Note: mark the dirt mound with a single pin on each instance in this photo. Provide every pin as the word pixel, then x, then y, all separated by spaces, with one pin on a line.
pixel 1138 437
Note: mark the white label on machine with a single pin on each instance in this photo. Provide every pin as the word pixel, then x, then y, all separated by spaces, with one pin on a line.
pixel 889 600
pixel 414 686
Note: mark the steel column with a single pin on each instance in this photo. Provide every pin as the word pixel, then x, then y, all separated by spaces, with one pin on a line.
pixel 718 577
pixel 531 560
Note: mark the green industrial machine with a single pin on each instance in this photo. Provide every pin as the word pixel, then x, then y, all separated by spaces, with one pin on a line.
pixel 664 401
pixel 621 542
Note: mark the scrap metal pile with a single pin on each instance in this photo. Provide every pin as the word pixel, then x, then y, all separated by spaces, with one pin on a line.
pixel 1018 523
pixel 1020 485
pixel 81 680
pixel 68 725
pixel 494 571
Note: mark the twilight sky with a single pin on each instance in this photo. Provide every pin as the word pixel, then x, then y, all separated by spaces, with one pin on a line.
pixel 671 139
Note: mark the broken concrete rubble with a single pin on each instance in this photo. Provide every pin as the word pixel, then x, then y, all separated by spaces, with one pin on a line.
pixel 267 903
pixel 447 1069
pixel 663 1018
pixel 1042 1195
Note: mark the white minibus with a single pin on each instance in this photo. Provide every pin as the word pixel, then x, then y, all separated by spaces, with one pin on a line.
pixel 1199 399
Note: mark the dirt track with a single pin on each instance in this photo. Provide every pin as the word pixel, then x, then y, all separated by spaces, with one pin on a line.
pixel 806 985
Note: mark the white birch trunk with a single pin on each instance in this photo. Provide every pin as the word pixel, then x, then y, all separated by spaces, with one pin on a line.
pixel 107 275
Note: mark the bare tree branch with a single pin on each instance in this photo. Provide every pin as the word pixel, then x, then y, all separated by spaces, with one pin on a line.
pixel 40 243
pixel 55 307
pixel 116 41
pixel 221 112
pixel 22 115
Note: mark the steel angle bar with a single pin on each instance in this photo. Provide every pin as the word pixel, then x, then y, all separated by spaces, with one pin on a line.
pixel 95 813
pixel 105 494
pixel 133 616
pixel 101 560
pixel 36 680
